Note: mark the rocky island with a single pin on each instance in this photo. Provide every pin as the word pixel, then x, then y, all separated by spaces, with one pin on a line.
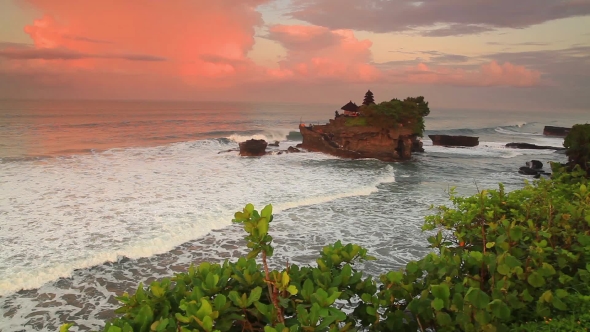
pixel 387 131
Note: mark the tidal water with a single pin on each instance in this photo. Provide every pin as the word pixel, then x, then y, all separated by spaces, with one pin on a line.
pixel 98 196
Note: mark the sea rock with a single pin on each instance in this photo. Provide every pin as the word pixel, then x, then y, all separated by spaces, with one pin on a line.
pixel 293 150
pixel 276 143
pixel 417 144
pixel 450 140
pixel 556 131
pixel 534 164
pixel 532 146
pixel 528 171
pixel 253 148
pixel 354 142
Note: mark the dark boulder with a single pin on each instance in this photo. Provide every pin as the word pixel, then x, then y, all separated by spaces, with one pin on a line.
pixel 528 171
pixel 532 146
pixel 253 148
pixel 276 143
pixel 293 150
pixel 556 131
pixel 449 140
pixel 534 164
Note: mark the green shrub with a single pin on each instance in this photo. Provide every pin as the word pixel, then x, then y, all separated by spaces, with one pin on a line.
pixel 499 260
pixel 577 321
pixel 409 113
pixel 577 144
pixel 359 121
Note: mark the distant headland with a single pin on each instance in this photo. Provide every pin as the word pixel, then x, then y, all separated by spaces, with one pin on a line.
pixel 387 131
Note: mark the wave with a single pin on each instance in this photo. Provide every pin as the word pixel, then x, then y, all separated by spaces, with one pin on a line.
pixel 269 135
pixel 484 149
pixel 153 199
pixel 512 129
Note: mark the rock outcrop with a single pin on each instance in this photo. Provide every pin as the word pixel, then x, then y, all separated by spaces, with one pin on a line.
pixel 532 146
pixel 533 167
pixel 253 148
pixel 338 139
pixel 449 140
pixel 556 131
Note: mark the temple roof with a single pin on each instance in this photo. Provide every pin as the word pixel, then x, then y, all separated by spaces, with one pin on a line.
pixel 351 107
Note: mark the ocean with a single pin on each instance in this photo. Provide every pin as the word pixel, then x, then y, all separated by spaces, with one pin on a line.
pixel 96 196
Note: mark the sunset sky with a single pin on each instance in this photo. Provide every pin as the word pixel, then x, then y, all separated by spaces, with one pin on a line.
pixel 472 54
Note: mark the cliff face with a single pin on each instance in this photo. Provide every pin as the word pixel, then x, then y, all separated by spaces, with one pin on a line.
pixel 338 139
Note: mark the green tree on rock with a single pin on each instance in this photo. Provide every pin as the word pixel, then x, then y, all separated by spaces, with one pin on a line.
pixel 369 98
pixel 577 144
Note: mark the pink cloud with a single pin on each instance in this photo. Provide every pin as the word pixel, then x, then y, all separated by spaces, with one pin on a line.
pixel 188 33
pixel 315 52
pixel 488 74
pixel 184 47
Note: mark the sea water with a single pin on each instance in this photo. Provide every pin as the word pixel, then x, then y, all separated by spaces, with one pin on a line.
pixel 97 196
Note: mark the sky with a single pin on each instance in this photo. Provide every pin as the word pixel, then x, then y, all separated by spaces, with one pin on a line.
pixel 471 54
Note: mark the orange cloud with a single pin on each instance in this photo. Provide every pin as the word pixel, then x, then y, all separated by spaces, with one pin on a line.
pixel 180 48
pixel 95 34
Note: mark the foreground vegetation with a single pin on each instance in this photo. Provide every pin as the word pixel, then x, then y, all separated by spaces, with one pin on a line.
pixel 501 261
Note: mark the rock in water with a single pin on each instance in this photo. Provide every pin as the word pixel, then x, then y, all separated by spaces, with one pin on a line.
pixel 449 140
pixel 253 148
pixel 341 140
pixel 293 150
pixel 556 131
pixel 276 143
pixel 532 146
pixel 534 164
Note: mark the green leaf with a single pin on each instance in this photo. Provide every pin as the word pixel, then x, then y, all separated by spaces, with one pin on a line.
pixel 443 319
pixel 477 298
pixel 536 280
pixel 208 323
pixel 266 212
pixel 547 297
pixel 182 318
pixel 438 304
pixel 162 326
pixel 561 293
pixel 412 267
pixel 254 296
pixel 66 327
pixel 249 208
pixel 219 301
pixel 558 304
pixel 512 261
pixel 500 309
pixel 111 329
pixel 292 289
pixel 515 233
pixel 157 290
pixel 205 309
pixel 262 226
pixel 490 245
pixel 441 291
pixel 503 269
pixel 371 310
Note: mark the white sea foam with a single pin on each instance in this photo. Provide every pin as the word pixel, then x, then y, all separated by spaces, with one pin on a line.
pixel 269 135
pixel 505 131
pixel 484 149
pixel 69 213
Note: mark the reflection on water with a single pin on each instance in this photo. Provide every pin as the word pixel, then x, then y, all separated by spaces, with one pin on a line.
pixel 38 128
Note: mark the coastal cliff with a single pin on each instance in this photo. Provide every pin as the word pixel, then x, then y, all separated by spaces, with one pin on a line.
pixel 387 131
pixel 338 139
